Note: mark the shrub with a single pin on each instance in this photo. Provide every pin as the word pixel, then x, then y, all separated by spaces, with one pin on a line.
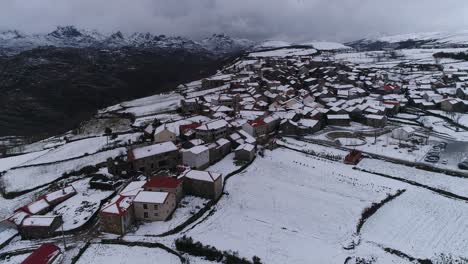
pixel 187 245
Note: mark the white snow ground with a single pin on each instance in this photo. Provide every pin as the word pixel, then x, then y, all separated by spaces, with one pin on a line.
pixel 287 205
pixel 117 254
pixel 421 224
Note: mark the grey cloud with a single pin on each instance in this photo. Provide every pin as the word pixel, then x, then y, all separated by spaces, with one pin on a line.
pixel 257 19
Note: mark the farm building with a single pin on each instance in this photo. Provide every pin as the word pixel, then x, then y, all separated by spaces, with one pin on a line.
pixel 39 226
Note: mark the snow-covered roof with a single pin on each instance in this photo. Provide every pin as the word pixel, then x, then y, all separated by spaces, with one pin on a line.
pixel 37 206
pixel 213 125
pixel 196 149
pixel 346 116
pixel 376 117
pixel 246 147
pixel 69 190
pixel 133 188
pixel 151 197
pixel 202 175
pixel 39 220
pixel 153 150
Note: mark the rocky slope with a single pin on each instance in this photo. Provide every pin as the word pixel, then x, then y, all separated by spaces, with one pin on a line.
pixel 50 90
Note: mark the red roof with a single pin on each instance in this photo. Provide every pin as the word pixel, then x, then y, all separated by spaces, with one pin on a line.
pixel 162 182
pixel 185 128
pixel 389 87
pixel 45 254
pixel 257 123
pixel 353 157
pixel 121 210
pixel 391 102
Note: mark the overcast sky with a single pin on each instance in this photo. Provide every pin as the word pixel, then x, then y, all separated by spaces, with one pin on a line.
pixel 337 20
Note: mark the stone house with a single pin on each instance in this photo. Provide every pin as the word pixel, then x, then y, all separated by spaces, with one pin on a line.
pixel 197 157
pixel 245 152
pixel 164 134
pixel 154 157
pixel 117 216
pixel 203 184
pixel 154 206
pixel 452 105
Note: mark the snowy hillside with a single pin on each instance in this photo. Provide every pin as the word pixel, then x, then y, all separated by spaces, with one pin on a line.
pixel 457 39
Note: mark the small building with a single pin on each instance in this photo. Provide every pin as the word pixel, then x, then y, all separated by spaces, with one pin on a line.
pixel 376 120
pixel 154 206
pixel 353 157
pixel 57 197
pixel 203 184
pixel 245 152
pixel 41 206
pixel 452 105
pixel 18 217
pixel 165 184
pixel 45 254
pixel 102 182
pixel 154 157
pixel 197 157
pixel 117 216
pixel 164 134
pixel 39 226
pixel 403 133
pixel 339 120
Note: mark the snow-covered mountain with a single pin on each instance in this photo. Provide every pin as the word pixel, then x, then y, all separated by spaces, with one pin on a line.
pixel 457 39
pixel 13 41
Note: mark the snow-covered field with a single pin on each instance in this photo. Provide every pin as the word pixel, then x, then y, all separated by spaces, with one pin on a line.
pixel 77 210
pixel 292 208
pixel 421 224
pixel 10 162
pixel 325 45
pixel 152 105
pixel 432 179
pixel 30 177
pixel 117 254
pixel 189 206
pixel 224 166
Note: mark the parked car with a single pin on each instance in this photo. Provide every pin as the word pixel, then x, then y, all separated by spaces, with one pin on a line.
pixel 432 159
pixel 463 164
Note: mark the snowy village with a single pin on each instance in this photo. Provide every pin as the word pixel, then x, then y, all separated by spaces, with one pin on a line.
pixel 286 150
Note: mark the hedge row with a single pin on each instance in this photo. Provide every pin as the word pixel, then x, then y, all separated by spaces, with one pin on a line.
pixel 187 245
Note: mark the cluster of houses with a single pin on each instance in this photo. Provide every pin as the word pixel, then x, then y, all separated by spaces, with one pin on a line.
pixel 156 198
pixel 31 220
